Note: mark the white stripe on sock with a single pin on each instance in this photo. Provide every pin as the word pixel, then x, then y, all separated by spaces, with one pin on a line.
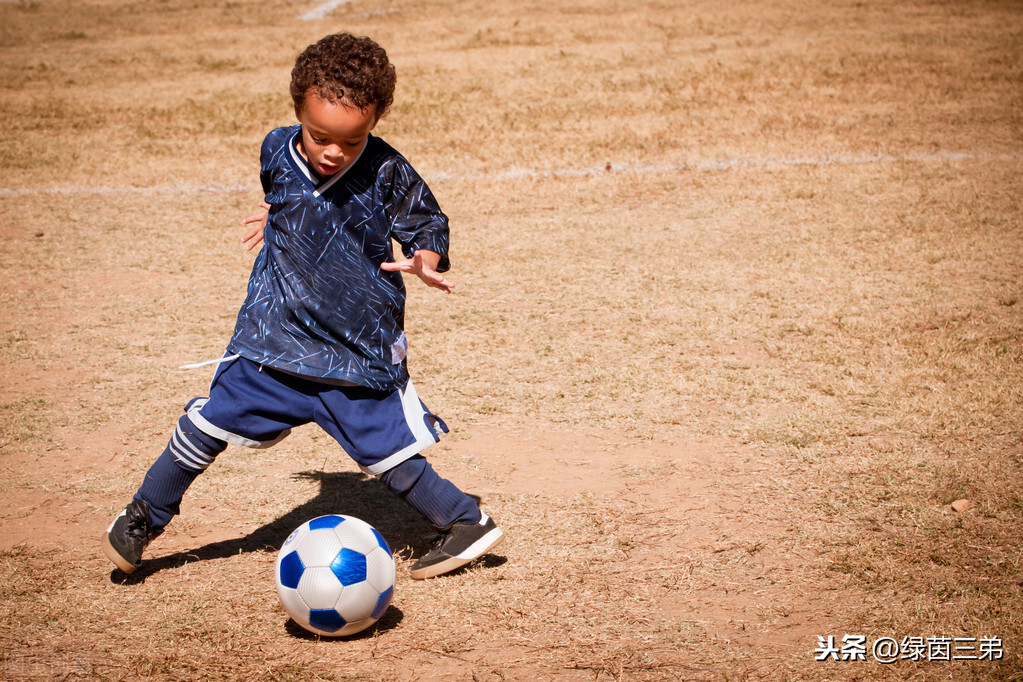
pixel 187 455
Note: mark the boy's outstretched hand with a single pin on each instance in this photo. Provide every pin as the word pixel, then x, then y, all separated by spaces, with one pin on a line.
pixel 424 264
pixel 254 236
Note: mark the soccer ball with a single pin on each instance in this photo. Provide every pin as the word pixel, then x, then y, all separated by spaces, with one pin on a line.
pixel 335 575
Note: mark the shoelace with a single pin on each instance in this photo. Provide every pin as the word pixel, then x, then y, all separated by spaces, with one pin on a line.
pixel 138 526
pixel 436 539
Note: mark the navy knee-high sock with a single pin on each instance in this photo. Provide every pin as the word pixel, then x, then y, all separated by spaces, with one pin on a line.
pixel 188 453
pixel 436 498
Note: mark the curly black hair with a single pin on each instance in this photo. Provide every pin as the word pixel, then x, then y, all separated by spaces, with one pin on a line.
pixel 343 66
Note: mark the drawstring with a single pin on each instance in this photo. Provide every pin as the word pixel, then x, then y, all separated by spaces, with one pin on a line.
pixel 226 358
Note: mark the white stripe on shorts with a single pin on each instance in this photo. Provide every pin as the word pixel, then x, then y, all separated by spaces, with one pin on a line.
pixel 211 430
pixel 415 418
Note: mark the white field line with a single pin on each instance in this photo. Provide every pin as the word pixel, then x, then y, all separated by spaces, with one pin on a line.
pixel 520 173
pixel 723 164
pixel 101 190
pixel 323 9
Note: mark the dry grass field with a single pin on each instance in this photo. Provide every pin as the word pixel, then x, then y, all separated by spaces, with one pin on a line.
pixel 739 314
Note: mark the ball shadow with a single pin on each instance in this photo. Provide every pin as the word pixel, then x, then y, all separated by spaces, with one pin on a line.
pixel 390 620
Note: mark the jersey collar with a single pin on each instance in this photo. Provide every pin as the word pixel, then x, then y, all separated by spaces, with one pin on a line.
pixel 318 183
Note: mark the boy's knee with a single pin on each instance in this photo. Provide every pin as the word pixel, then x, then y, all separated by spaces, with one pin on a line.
pixel 402 478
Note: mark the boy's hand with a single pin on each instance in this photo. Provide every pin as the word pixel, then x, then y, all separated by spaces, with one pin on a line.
pixel 424 264
pixel 254 235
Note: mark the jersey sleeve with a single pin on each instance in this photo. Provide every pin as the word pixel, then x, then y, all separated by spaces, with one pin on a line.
pixel 271 158
pixel 417 221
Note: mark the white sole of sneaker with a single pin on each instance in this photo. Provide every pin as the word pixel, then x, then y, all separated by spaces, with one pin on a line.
pixel 112 554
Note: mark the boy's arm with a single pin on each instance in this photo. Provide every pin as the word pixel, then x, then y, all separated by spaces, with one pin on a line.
pixel 416 220
pixel 269 151
pixel 423 264
pixel 254 235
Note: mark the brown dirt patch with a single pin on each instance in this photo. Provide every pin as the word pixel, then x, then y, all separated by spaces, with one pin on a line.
pixel 720 396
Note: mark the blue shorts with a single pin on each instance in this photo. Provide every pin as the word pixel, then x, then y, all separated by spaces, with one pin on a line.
pixel 257 406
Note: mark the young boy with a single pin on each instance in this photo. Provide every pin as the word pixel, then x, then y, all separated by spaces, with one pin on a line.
pixel 320 336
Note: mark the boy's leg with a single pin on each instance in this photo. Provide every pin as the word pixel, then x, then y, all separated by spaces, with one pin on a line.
pixel 435 498
pixel 384 433
pixel 189 452
pixel 465 530
pixel 246 407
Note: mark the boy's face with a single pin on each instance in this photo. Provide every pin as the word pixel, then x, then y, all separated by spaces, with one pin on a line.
pixel 333 135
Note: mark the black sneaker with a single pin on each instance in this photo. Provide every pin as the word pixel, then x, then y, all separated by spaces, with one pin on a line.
pixel 129 535
pixel 457 546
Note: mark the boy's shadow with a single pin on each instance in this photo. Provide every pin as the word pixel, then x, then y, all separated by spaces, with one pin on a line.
pixel 349 493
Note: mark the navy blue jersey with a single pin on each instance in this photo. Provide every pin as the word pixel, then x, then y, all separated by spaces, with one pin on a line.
pixel 318 303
